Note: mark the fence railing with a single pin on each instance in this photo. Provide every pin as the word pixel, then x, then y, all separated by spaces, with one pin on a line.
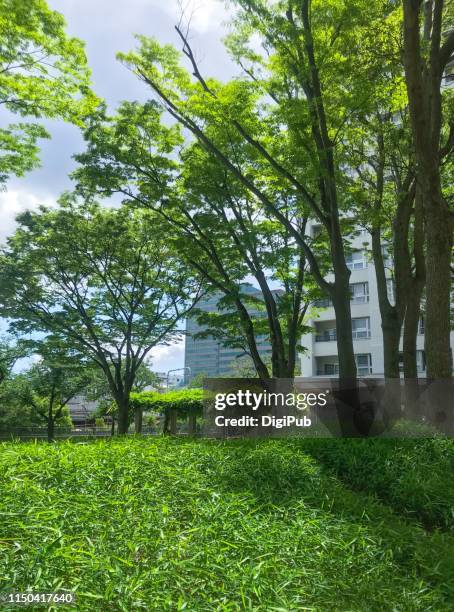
pixel 60 433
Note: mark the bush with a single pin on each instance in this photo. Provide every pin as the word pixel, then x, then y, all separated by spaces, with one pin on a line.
pixel 185 401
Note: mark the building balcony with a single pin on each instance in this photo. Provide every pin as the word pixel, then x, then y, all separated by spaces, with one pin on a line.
pixel 326 336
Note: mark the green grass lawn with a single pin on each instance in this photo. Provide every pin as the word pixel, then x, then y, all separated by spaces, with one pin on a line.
pixel 168 524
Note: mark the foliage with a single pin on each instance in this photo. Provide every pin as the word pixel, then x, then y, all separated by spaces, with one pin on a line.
pixel 24 402
pixel 41 393
pixel 106 281
pixel 10 352
pixel 197 381
pixel 200 525
pixel 43 74
pixel 185 401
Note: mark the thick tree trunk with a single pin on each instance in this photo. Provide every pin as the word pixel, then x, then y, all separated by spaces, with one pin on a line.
pixel 353 422
pixel 391 327
pixel 438 290
pixel 123 416
pixel 50 429
pixel 423 72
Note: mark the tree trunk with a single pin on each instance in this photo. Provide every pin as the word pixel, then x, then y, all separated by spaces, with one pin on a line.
pixel 391 327
pixel 138 420
pixel 438 274
pixel 123 416
pixel 423 72
pixel 341 303
pixel 349 411
pixel 112 427
pixel 50 429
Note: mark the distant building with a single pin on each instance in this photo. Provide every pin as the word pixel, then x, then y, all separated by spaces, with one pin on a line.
pixel 81 410
pixel 170 380
pixel 208 356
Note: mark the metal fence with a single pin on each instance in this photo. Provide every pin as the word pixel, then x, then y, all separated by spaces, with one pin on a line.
pixel 40 433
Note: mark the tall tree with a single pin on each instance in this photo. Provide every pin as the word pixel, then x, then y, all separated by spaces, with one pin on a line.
pixel 428 34
pixel 43 74
pixel 218 226
pixel 289 111
pixel 105 280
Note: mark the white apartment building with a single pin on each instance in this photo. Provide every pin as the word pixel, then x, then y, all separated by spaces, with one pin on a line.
pixel 321 358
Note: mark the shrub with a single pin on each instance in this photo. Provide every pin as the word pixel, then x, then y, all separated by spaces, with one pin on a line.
pixel 185 401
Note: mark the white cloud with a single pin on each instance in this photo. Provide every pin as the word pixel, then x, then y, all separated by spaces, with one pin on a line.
pixel 14 202
pixel 204 15
pixel 169 357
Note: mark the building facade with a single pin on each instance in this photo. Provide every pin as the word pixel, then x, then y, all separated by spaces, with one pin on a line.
pixel 207 355
pixel 321 358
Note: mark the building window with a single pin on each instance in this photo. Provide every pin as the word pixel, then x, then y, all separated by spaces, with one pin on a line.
pixel 356 260
pixel 323 303
pixel 316 230
pixel 359 293
pixel 361 327
pixel 331 369
pixel 326 335
pixel 363 364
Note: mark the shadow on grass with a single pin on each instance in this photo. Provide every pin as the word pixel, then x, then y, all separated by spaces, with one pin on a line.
pixel 281 476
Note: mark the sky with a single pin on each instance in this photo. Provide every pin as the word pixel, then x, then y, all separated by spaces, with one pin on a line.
pixel 107 27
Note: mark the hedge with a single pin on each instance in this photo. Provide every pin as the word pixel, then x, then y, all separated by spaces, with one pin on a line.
pixel 185 401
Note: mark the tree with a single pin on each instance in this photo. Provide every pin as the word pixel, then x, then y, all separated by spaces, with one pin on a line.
pixel 105 281
pixel 387 203
pixel 197 381
pixel 218 227
pixel 289 113
pixel 428 46
pixel 43 74
pixel 49 385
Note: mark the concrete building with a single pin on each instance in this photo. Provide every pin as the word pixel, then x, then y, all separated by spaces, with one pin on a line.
pixel 321 358
pixel 207 355
pixel 81 410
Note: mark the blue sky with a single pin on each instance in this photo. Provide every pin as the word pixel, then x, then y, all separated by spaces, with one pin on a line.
pixel 107 27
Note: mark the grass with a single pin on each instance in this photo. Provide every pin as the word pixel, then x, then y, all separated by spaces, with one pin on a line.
pixel 168 524
pixel 414 477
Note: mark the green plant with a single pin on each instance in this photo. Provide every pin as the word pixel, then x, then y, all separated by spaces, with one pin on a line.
pixel 185 401
pixel 175 524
